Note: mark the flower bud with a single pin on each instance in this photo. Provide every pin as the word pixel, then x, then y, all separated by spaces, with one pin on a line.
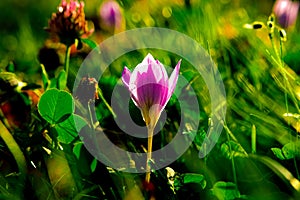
pixel 286 12
pixel 111 16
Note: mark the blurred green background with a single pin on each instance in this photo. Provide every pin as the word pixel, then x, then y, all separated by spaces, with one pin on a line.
pixel 22 22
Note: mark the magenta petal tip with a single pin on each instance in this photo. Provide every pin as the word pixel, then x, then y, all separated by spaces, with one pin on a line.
pixel 126 76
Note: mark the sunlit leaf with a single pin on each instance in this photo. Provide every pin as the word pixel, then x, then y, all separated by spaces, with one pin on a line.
pixel 77 149
pixel 233 149
pixel 194 178
pixel 288 151
pixel 278 153
pixel 55 104
pixel 69 128
pixel 189 178
pixel 226 191
pixel 62 80
pixel 45 78
pixel 291 150
pixel 89 42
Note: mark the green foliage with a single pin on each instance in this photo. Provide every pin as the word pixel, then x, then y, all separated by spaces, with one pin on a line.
pixel 278 153
pixel 45 78
pixel 92 44
pixel 189 178
pixel 68 129
pixel 232 149
pixel 226 191
pixel 288 151
pixel 77 148
pixel 55 106
pixel 62 80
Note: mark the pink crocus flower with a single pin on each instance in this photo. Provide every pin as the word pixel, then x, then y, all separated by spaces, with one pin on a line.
pixel 286 12
pixel 150 87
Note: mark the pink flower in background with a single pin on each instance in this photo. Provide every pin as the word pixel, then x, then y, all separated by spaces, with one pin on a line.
pixel 111 15
pixel 150 87
pixel 286 12
pixel 69 23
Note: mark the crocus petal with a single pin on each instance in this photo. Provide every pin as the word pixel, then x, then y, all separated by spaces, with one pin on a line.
pixel 126 77
pixel 163 76
pixel 173 80
pixel 152 84
pixel 148 59
pixel 164 83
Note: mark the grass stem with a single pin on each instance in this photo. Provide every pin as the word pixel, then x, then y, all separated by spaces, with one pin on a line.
pixel 229 136
pixel 253 139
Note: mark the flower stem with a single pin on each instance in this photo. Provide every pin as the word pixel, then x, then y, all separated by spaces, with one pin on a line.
pixel 149 153
pixel 67 61
pixel 106 103
pixel 230 137
pixel 91 115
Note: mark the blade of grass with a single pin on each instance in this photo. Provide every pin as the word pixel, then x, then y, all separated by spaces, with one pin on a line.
pixel 15 151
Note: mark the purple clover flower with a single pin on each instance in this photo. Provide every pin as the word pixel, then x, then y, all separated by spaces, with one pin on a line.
pixel 150 87
pixel 286 12
pixel 69 23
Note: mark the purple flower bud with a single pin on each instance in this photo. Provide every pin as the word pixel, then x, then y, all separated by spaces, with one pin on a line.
pixel 286 12
pixel 111 15
pixel 150 87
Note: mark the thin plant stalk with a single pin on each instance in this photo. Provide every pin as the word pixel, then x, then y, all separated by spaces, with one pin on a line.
pixel 232 163
pixel 67 61
pixel 90 114
pixel 149 152
pixel 274 48
pixel 230 135
pixel 253 139
pixel 106 104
